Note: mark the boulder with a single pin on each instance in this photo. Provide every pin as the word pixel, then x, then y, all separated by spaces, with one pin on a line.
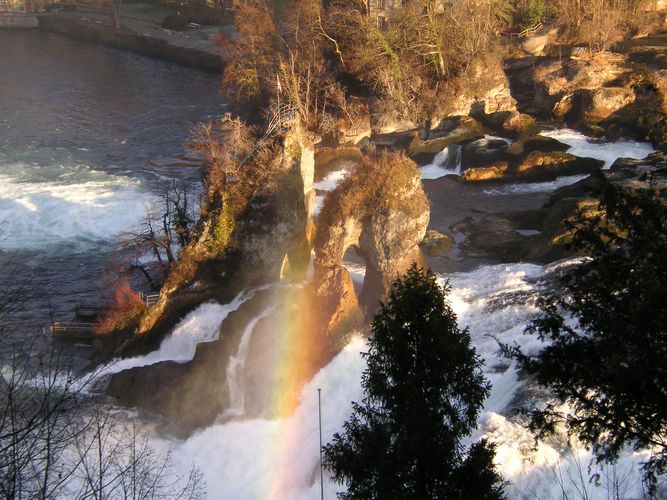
pixel 436 243
pixel 556 81
pixel 494 172
pixel 484 151
pixel 535 44
pixel 492 94
pixel 546 166
pixel 536 143
pixel 601 103
pixel 519 125
pixel 592 106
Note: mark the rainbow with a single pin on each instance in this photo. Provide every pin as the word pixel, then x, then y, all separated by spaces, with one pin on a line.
pixel 296 354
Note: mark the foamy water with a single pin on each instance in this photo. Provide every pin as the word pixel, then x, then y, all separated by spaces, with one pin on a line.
pixel 199 326
pixel 447 161
pixel 583 146
pixel 580 145
pixel 609 152
pixel 42 207
pixel 329 183
pixel 257 459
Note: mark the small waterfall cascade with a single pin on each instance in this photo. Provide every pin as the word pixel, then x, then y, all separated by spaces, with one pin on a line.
pixel 450 158
pixel 455 158
pixel 235 369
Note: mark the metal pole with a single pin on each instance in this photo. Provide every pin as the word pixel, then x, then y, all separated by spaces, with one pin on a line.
pixel 319 411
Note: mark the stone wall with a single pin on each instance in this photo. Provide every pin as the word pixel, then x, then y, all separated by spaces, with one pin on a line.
pixel 152 47
pixel 18 22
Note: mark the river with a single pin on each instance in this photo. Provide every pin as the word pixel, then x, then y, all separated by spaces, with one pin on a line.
pixel 79 127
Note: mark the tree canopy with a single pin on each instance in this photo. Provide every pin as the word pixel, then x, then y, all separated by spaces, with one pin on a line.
pixel 424 390
pixel 607 329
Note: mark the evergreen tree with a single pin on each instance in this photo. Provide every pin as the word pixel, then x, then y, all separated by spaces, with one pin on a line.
pixel 423 393
pixel 609 364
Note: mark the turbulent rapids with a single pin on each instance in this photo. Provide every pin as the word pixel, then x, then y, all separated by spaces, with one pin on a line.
pixel 235 356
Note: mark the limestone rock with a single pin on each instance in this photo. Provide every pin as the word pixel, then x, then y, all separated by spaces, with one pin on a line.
pixel 536 143
pixel 544 166
pixel 601 103
pixel 519 125
pixel 660 79
pixel 556 80
pixel 383 212
pixel 494 172
pixel 436 243
pixel 535 44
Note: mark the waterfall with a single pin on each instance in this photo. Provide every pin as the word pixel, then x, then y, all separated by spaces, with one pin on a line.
pixel 236 367
pixel 455 158
pixel 447 161
pixel 442 157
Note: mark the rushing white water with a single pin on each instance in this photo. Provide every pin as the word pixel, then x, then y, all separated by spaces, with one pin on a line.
pixel 580 145
pixel 254 459
pixel 201 325
pixel 609 152
pixel 235 368
pixel 447 161
pixel 258 459
pixel 450 159
pixel 46 206
pixel 534 187
pixel 329 183
pixel 583 146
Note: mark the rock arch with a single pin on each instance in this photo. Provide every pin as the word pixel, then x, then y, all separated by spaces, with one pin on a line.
pixel 381 211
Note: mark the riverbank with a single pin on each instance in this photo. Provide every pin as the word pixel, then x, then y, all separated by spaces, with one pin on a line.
pixel 136 35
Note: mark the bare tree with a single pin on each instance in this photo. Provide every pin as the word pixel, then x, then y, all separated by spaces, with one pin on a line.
pixel 58 441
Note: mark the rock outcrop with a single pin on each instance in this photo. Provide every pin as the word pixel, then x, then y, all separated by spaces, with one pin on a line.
pixel 602 94
pixel 542 234
pixel 381 210
pixel 531 165
pixel 383 213
pixel 494 172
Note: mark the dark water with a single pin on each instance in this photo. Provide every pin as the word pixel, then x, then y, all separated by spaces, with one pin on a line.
pixel 79 127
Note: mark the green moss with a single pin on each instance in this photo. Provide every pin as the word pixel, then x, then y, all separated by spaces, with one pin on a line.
pixel 222 232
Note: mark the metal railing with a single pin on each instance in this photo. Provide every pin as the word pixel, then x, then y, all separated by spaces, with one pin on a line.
pixel 283 115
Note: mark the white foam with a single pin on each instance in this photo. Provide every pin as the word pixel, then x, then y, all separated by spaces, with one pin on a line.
pixel 447 161
pixel 236 366
pixel 201 325
pixel 331 181
pixel 609 152
pixel 247 459
pixel 534 187
pixel 45 206
pixel 258 459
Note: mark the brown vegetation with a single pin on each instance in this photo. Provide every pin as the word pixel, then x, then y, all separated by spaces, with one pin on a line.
pixel 600 23
pixel 124 311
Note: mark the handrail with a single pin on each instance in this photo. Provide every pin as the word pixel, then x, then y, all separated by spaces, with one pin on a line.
pixel 284 114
